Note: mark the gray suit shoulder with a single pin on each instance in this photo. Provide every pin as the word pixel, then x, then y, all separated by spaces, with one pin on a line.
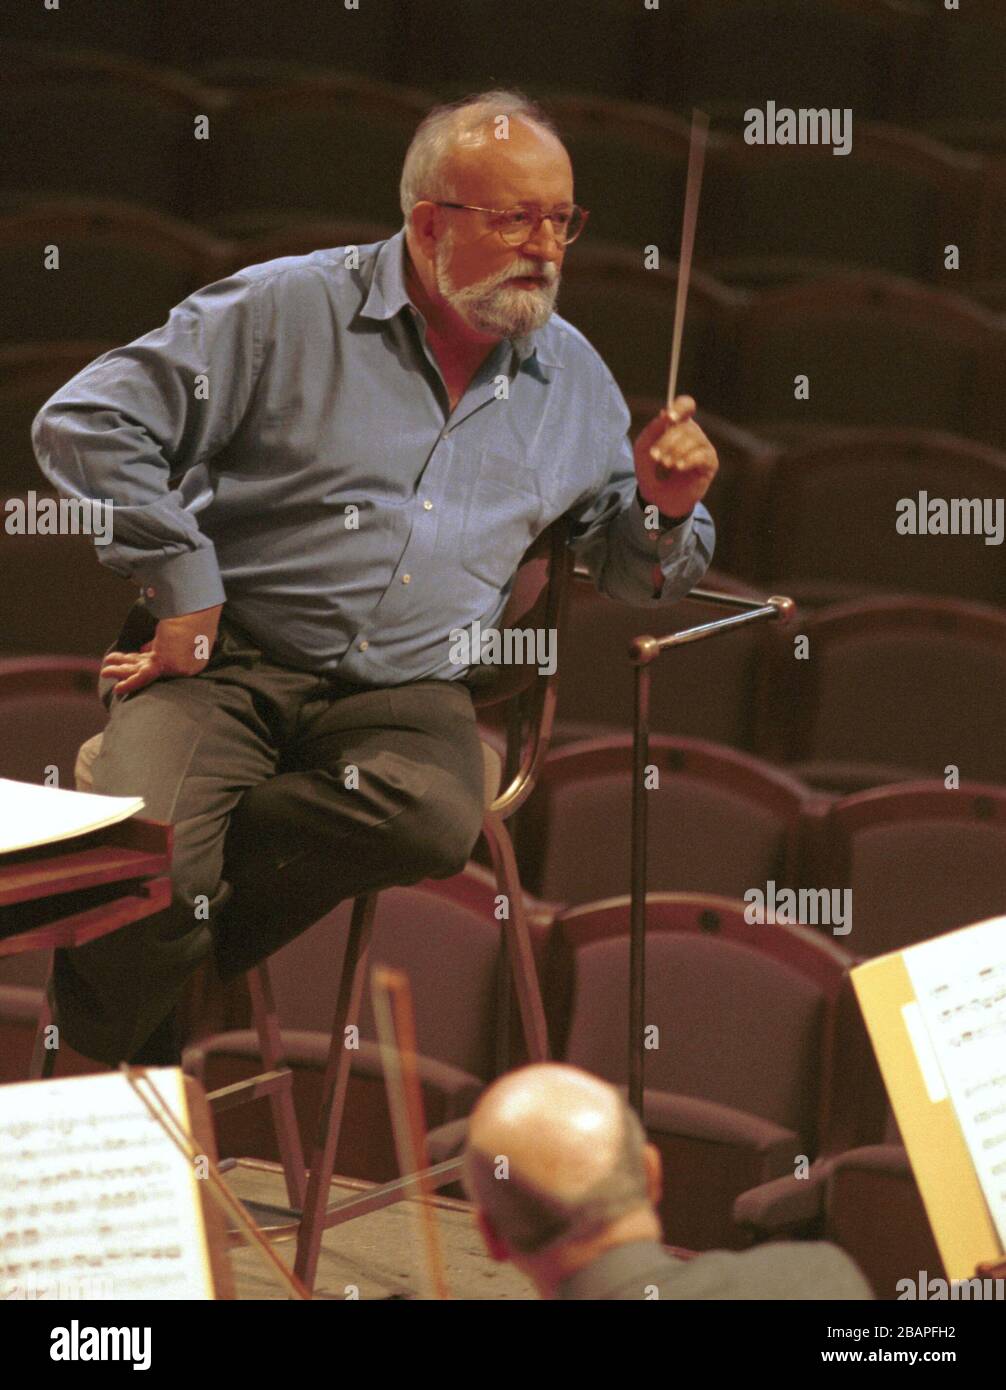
pixel 803 1270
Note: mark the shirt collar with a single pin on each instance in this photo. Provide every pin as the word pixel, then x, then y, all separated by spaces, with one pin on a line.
pixel 387 296
pixel 615 1269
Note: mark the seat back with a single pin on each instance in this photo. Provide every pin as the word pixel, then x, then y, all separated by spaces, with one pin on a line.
pixel 740 1011
pixel 720 821
pixel 96 125
pixel 706 692
pixel 48 707
pixel 919 859
pixel 121 269
pixel 266 234
pixel 324 146
pixel 725 55
pixel 887 682
pixel 29 374
pixel 444 935
pixel 813 524
pixel 892 201
pixel 852 335
pixel 616 303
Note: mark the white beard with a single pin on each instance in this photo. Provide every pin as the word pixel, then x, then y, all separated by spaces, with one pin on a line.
pixel 493 305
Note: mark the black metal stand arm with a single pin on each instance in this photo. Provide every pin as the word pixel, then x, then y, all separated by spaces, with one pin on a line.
pixel 643 651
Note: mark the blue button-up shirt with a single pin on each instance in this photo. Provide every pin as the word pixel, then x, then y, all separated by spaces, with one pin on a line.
pixel 325 490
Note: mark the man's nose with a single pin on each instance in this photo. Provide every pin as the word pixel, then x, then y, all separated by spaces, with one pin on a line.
pixel 543 243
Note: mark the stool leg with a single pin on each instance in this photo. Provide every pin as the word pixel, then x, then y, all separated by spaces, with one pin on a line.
pixel 504 991
pixel 333 1089
pixel 284 1114
pixel 517 937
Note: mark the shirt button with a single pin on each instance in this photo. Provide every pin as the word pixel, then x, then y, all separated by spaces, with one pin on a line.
pixel 406 578
pixel 364 645
pixel 427 506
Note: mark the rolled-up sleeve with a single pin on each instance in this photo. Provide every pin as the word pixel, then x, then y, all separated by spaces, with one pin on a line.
pixel 139 415
pixel 609 533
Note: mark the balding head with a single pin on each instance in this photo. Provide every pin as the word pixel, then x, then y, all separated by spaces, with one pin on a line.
pixel 554 1154
pixel 474 136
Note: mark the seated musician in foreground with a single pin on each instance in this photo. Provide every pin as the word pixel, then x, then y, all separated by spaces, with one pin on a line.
pixel 566 1186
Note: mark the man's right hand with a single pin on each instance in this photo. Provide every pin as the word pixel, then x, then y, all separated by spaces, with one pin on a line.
pixel 181 647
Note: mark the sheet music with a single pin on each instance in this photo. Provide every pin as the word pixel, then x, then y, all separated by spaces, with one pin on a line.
pixel 31 815
pixel 960 985
pixel 95 1200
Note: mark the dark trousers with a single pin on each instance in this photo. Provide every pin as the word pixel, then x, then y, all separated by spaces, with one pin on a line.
pixel 288 792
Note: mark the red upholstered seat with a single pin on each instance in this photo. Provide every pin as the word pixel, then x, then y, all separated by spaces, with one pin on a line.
pixel 719 821
pixel 919 859
pixel 444 934
pixel 892 689
pixel 740 1060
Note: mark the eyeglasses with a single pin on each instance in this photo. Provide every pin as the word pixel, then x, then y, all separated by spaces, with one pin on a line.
pixel 517 225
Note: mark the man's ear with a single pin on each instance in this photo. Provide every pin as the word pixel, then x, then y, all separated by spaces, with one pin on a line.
pixel 422 225
pixel 494 1244
pixel 654 1173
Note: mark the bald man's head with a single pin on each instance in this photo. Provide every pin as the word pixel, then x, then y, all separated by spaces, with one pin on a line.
pixel 553 1153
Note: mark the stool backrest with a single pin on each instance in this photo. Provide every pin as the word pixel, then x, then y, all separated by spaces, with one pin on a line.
pixel 537 602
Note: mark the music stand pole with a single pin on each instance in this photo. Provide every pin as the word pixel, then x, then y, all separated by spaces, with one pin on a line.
pixel 637 920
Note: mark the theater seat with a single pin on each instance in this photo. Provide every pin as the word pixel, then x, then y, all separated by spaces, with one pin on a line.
pixel 29 374
pixel 891 202
pixel 446 937
pixel 706 691
pixel 97 125
pixel 121 269
pixel 48 706
pixel 852 335
pixel 322 147
pixel 918 858
pixel 720 821
pixel 617 304
pixel 58 597
pixel 723 996
pixel 891 690
pixel 866 1200
pixel 814 528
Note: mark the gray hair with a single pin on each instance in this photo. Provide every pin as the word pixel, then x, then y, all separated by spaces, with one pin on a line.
pixel 529 1219
pixel 423 170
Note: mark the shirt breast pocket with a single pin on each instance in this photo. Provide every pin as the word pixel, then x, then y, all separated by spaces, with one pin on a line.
pixel 502 518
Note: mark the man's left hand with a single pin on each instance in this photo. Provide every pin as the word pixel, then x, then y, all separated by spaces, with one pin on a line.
pixel 675 462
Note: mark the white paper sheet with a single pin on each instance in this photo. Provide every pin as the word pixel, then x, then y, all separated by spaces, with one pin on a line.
pixel 960 985
pixel 95 1200
pixel 31 815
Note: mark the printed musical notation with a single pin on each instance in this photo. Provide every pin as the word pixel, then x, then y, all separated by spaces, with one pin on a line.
pixel 960 985
pixel 90 1185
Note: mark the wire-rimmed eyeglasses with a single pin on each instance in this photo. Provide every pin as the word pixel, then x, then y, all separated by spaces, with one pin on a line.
pixel 519 224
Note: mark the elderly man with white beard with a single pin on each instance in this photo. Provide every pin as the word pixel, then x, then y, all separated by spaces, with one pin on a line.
pixel 319 468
